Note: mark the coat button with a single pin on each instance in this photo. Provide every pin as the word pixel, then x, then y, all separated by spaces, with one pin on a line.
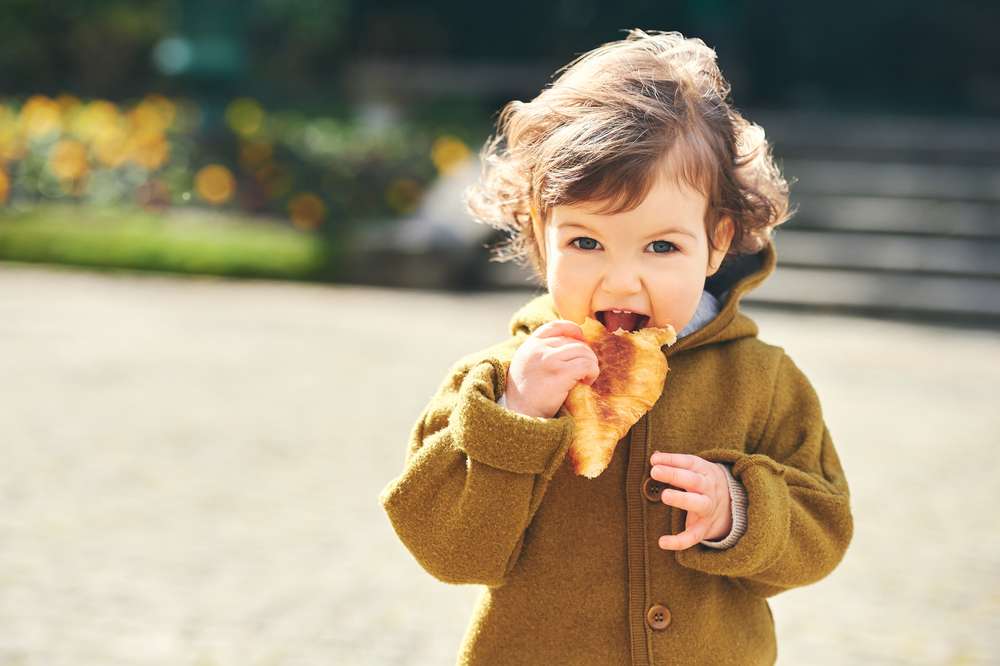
pixel 653 489
pixel 658 617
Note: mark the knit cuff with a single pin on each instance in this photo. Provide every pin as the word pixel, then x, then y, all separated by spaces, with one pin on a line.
pixel 738 506
pixel 490 433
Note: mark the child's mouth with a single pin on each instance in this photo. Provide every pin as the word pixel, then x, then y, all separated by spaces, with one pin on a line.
pixel 630 321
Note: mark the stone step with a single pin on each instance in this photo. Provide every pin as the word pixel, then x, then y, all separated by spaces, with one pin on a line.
pixel 945 182
pixel 896 215
pixel 870 137
pixel 881 292
pixel 886 252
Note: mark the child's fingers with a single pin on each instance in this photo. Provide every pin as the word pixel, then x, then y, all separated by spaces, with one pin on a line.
pixel 682 478
pixel 584 369
pixel 581 359
pixel 691 502
pixel 687 461
pixel 559 327
pixel 562 342
pixel 570 351
pixel 681 541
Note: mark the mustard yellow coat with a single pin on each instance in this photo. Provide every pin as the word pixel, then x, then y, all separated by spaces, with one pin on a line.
pixel 571 569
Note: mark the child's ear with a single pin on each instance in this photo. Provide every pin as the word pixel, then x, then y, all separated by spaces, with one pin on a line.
pixel 723 237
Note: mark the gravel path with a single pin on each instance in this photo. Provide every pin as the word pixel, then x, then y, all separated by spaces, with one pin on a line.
pixel 190 471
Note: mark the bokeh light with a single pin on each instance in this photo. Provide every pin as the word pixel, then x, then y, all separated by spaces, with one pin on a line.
pixel 307 211
pixel 215 184
pixel 155 113
pixel 448 152
pixel 244 116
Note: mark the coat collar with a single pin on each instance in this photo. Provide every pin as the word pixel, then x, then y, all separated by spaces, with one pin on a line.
pixel 738 275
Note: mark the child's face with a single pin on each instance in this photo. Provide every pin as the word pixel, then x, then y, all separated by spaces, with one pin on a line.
pixel 651 260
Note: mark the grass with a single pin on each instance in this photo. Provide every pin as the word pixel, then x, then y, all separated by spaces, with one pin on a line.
pixel 182 241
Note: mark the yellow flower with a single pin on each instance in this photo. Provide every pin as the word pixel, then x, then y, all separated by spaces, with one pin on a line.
pixel 68 160
pixel 11 141
pixel 148 150
pixel 111 146
pixel 40 115
pixel 154 114
pixel 215 184
pixel 96 119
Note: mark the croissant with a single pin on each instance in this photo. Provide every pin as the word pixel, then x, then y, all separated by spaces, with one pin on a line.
pixel 633 368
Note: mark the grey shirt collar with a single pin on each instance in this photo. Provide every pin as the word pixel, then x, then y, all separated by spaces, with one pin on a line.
pixel 708 307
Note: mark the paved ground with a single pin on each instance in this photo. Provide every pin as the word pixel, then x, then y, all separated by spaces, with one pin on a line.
pixel 190 470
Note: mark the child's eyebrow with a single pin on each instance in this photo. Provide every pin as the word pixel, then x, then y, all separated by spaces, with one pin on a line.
pixel 672 230
pixel 661 232
pixel 578 226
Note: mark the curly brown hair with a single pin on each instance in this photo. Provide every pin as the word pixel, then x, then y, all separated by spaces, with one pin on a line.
pixel 598 132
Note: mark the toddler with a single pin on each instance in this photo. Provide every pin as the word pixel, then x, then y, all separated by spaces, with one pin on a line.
pixel 640 197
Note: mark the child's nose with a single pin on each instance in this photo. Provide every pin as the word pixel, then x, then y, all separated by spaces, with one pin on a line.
pixel 622 278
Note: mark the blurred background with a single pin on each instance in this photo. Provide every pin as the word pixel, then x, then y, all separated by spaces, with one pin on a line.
pixel 191 461
pixel 331 141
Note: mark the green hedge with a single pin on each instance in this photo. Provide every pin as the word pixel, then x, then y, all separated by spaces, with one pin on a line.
pixel 201 242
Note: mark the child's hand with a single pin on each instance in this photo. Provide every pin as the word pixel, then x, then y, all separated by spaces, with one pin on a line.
pixel 706 500
pixel 546 366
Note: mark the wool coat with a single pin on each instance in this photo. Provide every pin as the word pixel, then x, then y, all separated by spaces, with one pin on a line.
pixel 570 567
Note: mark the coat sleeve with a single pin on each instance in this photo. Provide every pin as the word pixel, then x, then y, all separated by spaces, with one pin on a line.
pixel 474 476
pixel 799 521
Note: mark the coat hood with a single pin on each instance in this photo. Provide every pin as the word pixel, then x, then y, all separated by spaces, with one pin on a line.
pixel 738 275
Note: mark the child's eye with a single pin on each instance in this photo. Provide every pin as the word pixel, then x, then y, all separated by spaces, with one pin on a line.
pixel 663 247
pixel 586 240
